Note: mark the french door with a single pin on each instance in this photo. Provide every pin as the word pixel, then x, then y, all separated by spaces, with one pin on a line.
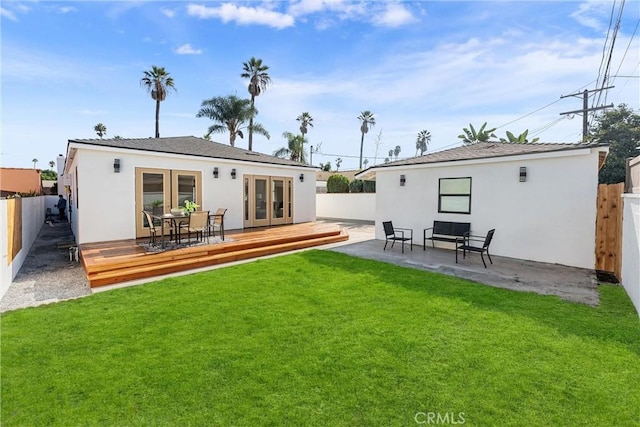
pixel 159 190
pixel 268 200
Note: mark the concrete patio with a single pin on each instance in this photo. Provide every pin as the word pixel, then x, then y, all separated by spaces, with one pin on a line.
pixel 569 283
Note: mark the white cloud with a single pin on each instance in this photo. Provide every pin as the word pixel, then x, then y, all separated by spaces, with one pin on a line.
pixel 394 15
pixel 187 49
pixel 169 13
pixel 593 14
pixel 307 7
pixel 242 15
pixel 8 14
pixel 67 9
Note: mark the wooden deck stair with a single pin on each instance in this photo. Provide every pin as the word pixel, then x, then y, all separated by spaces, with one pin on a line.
pixel 111 263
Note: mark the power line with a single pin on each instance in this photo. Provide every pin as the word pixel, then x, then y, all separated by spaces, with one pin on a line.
pixel 604 46
pixel 626 50
pixel 611 48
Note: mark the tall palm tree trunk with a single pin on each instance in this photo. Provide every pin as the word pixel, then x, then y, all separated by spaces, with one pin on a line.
pixel 158 119
pixel 251 124
pixel 361 145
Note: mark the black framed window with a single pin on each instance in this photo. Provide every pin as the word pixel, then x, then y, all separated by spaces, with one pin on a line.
pixel 454 195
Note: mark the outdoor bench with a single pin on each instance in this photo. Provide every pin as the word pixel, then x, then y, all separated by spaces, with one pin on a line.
pixel 445 231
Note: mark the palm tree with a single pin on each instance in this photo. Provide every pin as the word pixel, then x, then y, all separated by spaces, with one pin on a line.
pixel 100 129
pixel 422 142
pixel 158 82
pixel 229 113
pixel 35 161
pixel 294 149
pixel 306 121
pixel 338 163
pixel 396 151
pixel 259 79
pixel 482 135
pixel 52 164
pixel 367 119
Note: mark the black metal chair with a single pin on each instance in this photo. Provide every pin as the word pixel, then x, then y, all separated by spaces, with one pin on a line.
pixel 396 235
pixel 468 246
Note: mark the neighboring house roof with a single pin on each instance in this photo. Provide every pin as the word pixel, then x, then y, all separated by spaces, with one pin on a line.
pixel 484 150
pixel 20 180
pixel 189 146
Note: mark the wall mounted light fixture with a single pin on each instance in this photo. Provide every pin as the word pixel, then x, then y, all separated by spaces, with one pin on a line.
pixel 301 177
pixel 233 173
pixel 403 180
pixel 523 174
pixel 116 165
pixel 215 172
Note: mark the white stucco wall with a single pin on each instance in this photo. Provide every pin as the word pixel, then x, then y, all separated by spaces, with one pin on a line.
pixel 33 211
pixel 631 247
pixel 104 208
pixel 549 218
pixel 360 206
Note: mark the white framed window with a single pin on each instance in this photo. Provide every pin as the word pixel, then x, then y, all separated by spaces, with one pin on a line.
pixel 454 195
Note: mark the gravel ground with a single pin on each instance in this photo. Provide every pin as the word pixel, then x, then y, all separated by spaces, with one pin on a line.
pixel 47 275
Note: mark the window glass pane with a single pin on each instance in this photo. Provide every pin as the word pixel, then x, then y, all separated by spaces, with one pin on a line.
pixel 246 199
pixel 152 191
pixel 277 198
pixel 455 204
pixel 186 189
pixel 455 186
pixel 261 198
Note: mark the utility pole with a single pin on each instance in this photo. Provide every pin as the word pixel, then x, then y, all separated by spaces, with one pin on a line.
pixel 585 108
pixel 311 152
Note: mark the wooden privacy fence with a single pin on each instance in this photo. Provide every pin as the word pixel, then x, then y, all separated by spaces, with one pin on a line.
pixel 609 229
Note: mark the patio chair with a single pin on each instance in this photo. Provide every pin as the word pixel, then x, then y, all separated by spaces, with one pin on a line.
pixel 198 224
pixel 395 234
pixel 466 245
pixel 153 230
pixel 216 221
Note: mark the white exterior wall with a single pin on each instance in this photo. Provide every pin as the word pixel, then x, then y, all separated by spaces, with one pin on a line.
pixel 549 218
pixel 360 206
pixel 33 212
pixel 104 209
pixel 631 247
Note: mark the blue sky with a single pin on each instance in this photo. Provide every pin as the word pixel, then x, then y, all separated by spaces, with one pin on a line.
pixel 434 65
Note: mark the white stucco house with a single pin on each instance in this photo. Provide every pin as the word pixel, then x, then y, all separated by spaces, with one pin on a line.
pixel 540 198
pixel 111 181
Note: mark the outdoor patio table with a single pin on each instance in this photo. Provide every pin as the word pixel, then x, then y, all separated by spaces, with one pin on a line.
pixel 173 220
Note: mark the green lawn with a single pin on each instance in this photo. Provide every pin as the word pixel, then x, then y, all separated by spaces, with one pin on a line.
pixel 321 338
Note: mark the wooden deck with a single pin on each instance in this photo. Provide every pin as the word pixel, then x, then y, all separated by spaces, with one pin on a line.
pixel 107 263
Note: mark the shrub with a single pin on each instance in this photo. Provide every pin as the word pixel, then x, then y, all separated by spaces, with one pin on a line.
pixel 355 186
pixel 369 186
pixel 338 184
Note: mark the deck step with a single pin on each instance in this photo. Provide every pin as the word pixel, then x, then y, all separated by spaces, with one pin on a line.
pixel 158 264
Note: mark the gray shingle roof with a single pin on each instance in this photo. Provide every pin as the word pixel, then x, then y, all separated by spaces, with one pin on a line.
pixel 190 146
pixel 485 150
